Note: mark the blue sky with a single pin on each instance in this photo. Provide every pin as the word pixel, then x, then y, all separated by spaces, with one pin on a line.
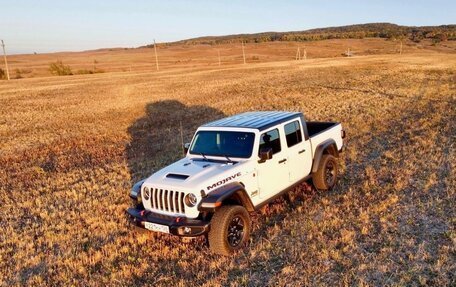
pixel 45 26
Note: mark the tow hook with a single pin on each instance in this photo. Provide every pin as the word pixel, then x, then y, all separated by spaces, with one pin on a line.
pixel 143 212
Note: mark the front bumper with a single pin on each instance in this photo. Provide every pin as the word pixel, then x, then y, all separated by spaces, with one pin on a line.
pixel 180 226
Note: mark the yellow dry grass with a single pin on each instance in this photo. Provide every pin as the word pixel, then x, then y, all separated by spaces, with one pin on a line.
pixel 72 146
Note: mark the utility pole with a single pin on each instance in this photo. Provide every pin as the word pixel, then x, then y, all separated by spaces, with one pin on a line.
pixel 298 54
pixel 156 56
pixel 6 62
pixel 243 52
pixel 305 54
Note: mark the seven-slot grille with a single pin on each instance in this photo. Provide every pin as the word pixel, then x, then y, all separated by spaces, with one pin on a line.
pixel 167 200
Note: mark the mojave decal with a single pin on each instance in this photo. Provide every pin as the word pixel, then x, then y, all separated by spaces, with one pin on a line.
pixel 223 181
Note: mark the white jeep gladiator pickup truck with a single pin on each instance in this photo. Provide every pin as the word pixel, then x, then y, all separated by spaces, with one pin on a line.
pixel 234 166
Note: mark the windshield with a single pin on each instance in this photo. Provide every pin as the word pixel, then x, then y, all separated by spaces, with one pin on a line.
pixel 223 143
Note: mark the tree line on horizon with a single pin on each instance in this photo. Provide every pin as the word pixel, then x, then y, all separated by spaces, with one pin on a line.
pixel 375 30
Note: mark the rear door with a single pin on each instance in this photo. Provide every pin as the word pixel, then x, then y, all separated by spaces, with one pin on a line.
pixel 299 151
pixel 273 173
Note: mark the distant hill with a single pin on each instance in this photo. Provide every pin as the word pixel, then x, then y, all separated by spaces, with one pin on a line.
pixel 359 31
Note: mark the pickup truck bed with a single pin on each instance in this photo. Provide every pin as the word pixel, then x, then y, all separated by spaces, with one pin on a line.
pixel 322 131
pixel 316 127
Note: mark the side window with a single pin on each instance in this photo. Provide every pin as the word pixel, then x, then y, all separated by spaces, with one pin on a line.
pixel 271 139
pixel 293 133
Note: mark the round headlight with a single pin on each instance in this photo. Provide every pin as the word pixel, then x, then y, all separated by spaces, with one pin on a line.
pixel 190 200
pixel 146 192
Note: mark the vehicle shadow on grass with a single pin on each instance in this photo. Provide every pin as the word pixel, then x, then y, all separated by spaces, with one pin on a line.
pixel 156 137
pixel 155 143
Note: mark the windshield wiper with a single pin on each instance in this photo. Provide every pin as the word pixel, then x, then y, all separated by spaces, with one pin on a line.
pixel 229 160
pixel 205 158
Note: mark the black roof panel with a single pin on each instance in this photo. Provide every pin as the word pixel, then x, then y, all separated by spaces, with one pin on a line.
pixel 254 120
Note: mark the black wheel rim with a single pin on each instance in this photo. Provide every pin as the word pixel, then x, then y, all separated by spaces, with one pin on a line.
pixel 330 173
pixel 235 231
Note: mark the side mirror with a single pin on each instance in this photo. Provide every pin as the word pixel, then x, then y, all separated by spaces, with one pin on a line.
pixel 186 147
pixel 265 154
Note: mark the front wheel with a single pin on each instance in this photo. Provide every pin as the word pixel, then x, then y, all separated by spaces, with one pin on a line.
pixel 326 176
pixel 230 229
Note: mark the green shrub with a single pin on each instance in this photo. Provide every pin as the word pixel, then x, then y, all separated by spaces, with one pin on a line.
pixel 59 69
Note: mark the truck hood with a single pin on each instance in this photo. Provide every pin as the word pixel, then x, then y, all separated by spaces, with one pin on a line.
pixel 194 175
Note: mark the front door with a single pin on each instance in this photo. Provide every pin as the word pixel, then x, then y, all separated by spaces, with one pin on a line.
pixel 273 173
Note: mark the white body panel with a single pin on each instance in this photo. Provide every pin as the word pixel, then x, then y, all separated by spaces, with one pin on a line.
pixel 261 180
pixel 334 133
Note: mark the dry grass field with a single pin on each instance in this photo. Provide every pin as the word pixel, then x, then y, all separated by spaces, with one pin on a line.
pixel 70 148
pixel 196 57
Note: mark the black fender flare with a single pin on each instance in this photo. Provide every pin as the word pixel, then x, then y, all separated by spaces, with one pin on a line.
pixel 329 144
pixel 212 201
pixel 136 190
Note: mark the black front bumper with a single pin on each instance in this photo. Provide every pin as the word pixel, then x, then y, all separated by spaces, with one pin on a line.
pixel 179 226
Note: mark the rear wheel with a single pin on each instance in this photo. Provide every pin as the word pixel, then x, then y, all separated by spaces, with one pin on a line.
pixel 230 229
pixel 326 176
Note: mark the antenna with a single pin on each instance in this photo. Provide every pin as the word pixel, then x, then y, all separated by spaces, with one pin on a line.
pixel 182 137
pixel 6 62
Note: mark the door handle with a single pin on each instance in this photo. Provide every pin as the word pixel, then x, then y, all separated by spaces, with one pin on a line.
pixel 301 151
pixel 282 160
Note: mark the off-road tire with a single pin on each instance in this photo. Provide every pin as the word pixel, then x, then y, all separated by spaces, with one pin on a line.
pixel 223 219
pixel 321 179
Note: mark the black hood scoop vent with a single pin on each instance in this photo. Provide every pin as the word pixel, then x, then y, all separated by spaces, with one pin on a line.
pixel 177 176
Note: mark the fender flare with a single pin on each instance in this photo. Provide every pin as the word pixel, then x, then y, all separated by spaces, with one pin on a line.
pixel 212 201
pixel 329 143
pixel 136 190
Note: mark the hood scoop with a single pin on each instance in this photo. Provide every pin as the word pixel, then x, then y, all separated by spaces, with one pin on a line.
pixel 177 176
